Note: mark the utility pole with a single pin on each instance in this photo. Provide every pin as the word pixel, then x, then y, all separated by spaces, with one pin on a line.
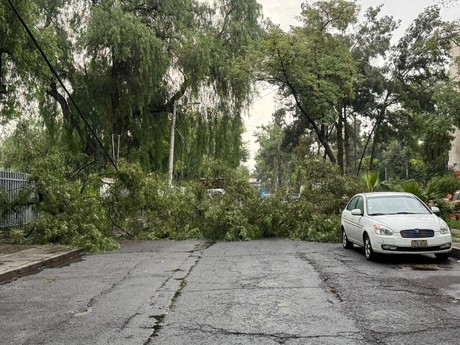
pixel 116 148
pixel 171 147
pixel 171 143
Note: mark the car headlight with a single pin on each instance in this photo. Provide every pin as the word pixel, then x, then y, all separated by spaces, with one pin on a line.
pixel 383 230
pixel 444 229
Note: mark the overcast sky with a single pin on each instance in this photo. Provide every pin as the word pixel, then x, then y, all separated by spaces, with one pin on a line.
pixel 284 12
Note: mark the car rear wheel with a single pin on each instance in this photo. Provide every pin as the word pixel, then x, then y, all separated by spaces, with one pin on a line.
pixel 442 256
pixel 346 244
pixel 370 255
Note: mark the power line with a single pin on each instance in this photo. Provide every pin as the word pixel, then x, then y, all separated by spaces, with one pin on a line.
pixel 267 94
pixel 60 81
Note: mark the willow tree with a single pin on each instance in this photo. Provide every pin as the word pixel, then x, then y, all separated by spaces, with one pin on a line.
pixel 23 73
pixel 313 66
pixel 145 57
pixel 128 63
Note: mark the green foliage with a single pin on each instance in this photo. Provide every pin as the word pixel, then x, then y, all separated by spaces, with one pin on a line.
pixel 68 203
pixel 315 216
pixel 441 186
pixel 86 209
pixel 433 194
pixel 371 180
pixel 140 61
pixel 70 210
pixel 145 208
pixel 454 224
pixel 447 210
pixel 312 64
pixel 274 163
pixel 414 187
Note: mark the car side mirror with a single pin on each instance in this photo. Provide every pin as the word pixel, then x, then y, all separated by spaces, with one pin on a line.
pixel 435 209
pixel 356 212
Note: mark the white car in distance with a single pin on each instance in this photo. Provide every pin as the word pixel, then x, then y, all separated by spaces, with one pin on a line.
pixel 394 223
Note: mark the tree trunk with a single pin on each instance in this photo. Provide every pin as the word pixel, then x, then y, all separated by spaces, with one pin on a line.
pixel 346 145
pixel 340 141
pixel 321 137
pixel 376 138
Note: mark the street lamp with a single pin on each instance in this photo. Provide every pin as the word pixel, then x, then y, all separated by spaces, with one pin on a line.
pixel 171 144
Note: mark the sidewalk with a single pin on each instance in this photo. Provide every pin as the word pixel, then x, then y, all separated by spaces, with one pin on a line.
pixel 18 261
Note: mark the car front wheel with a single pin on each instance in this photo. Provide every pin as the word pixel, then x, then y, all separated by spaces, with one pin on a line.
pixel 370 255
pixel 346 244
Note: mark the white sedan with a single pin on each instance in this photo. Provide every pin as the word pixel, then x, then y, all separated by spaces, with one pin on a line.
pixel 394 223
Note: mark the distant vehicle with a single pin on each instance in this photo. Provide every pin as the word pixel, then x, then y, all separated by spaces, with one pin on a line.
pixel 294 196
pixel 216 191
pixel 291 197
pixel 394 223
pixel 455 197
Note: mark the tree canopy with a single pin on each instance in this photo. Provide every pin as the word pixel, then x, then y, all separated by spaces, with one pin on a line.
pixel 362 93
pixel 127 64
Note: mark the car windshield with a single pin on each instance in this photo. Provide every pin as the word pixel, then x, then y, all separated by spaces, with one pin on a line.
pixel 398 204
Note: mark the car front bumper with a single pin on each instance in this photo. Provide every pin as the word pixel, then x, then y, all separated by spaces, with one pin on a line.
pixel 434 245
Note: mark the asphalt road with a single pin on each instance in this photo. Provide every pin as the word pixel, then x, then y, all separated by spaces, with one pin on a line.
pixel 260 292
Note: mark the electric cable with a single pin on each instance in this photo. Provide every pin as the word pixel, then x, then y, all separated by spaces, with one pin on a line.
pixel 60 82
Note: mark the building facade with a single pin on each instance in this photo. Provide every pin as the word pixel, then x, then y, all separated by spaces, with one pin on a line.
pixel 454 153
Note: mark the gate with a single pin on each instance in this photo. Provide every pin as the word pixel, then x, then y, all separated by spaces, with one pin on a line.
pixel 12 184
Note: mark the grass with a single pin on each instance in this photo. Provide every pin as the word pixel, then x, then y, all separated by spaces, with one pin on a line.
pixel 454 224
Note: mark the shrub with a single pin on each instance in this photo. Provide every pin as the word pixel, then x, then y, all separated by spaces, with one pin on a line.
pixel 441 186
pixel 70 210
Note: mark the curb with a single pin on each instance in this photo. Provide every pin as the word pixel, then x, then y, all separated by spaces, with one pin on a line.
pixel 455 251
pixel 17 268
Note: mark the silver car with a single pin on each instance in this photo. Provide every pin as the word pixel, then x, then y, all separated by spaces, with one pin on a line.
pixel 394 223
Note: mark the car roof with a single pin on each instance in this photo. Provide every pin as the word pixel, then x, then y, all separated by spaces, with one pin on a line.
pixel 376 194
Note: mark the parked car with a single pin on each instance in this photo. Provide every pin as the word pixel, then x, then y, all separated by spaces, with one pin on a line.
pixel 454 197
pixel 394 223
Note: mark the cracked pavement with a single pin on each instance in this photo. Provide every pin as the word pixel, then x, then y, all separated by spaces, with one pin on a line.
pixel 258 292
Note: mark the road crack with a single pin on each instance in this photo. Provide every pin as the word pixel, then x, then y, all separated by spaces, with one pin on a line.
pixel 160 318
pixel 280 338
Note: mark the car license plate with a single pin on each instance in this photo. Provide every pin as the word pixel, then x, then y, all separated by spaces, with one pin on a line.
pixel 419 244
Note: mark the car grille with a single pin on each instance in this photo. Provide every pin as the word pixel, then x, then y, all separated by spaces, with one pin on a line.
pixel 417 233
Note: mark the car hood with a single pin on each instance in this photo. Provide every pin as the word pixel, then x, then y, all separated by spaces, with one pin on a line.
pixel 409 221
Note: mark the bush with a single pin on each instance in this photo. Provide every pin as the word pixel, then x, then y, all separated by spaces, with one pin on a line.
pixel 441 186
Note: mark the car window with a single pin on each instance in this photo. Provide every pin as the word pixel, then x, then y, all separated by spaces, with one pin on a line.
pixel 351 205
pixel 360 204
pixel 384 205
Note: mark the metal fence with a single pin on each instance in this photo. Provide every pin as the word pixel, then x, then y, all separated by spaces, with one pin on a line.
pixel 12 184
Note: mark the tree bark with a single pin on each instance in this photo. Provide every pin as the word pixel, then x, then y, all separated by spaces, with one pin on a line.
pixel 376 138
pixel 347 146
pixel 340 140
